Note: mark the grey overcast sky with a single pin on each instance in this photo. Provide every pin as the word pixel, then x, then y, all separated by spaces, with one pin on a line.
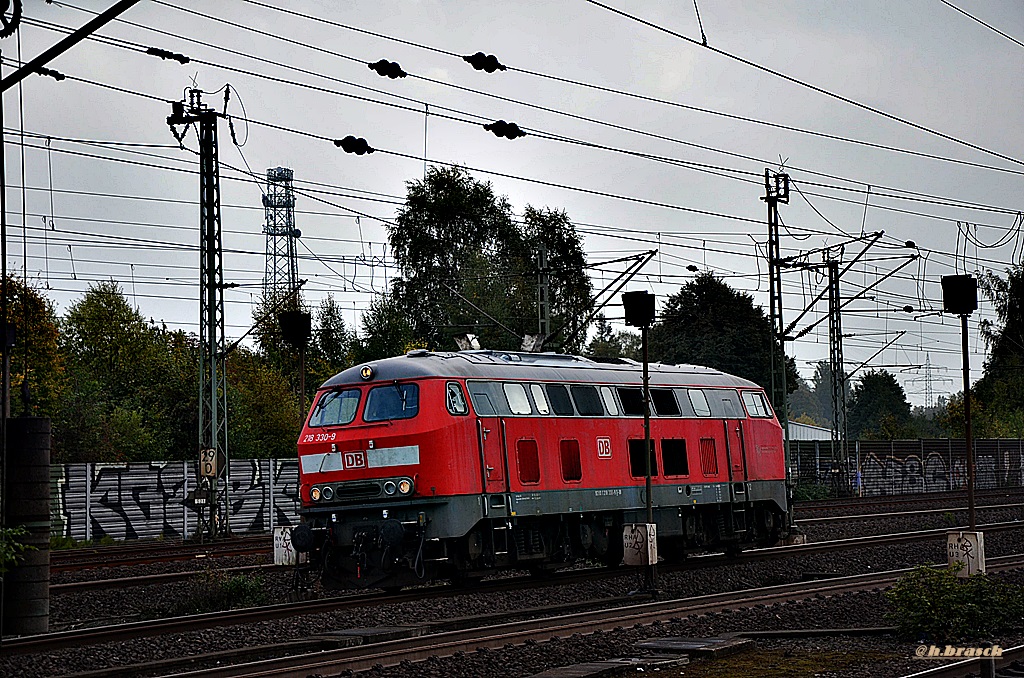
pixel 301 65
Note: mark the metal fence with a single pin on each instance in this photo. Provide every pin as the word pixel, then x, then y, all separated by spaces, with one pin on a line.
pixel 879 467
pixel 148 499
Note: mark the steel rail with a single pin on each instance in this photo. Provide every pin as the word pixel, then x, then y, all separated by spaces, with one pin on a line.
pixel 72 560
pixel 902 499
pixel 164 578
pixel 922 512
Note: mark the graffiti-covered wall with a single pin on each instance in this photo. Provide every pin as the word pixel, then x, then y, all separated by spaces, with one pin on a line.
pixel 878 467
pixel 148 499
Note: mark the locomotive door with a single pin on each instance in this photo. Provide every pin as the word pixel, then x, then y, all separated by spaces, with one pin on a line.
pixel 737 454
pixel 491 434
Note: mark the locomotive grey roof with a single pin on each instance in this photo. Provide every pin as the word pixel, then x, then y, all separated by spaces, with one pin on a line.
pixel 515 366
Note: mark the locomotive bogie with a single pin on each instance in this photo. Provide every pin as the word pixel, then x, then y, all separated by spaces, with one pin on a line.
pixel 454 465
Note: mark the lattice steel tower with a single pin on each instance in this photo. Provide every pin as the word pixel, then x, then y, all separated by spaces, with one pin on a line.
pixel 279 202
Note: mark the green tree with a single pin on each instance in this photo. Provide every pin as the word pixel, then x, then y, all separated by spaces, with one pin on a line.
pixel 879 409
pixel 608 343
pixel 331 349
pixel 709 323
pixel 386 331
pixel 997 403
pixel 569 288
pixel 263 411
pixel 36 356
pixel 115 367
pixel 458 245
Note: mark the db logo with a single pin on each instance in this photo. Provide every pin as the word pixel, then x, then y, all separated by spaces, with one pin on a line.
pixel 604 448
pixel 355 460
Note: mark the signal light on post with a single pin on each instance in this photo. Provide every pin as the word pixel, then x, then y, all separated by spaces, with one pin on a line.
pixel 509 130
pixel 389 69
pixel 484 62
pixel 351 144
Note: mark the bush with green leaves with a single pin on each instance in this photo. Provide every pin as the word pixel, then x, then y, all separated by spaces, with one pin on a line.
pixel 216 590
pixel 12 547
pixel 936 605
pixel 811 492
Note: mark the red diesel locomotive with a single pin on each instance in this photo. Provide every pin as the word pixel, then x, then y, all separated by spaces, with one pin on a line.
pixel 453 465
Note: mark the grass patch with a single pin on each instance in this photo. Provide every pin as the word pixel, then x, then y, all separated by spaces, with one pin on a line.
pixel 215 590
pixel 780 663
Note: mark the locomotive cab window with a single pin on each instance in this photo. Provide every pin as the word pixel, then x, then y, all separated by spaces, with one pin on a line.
pixel 394 401
pixel 632 401
pixel 664 402
pixel 637 464
pixel 756 405
pixel 455 401
pixel 518 402
pixel 558 396
pixel 335 408
pixel 588 402
pixel 699 402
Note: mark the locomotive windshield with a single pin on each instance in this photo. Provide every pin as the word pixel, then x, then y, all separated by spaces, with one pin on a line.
pixel 336 408
pixel 395 401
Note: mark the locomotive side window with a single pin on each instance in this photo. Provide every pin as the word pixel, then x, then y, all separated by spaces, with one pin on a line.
pixel 569 450
pixel 518 402
pixel 637 465
pixel 394 401
pixel 664 402
pixel 756 405
pixel 336 408
pixel 588 402
pixel 558 396
pixel 454 399
pixel 699 402
pixel 539 400
pixel 632 401
pixel 673 455
pixel 609 401
pixel 528 461
pixel 724 403
pixel 488 398
pixel 708 457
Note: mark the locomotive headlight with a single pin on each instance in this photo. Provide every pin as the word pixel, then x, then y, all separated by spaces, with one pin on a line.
pixel 328 493
pixel 315 494
pixel 404 486
pixel 390 487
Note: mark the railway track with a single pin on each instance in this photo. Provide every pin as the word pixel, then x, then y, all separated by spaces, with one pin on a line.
pixel 144 553
pixel 921 512
pixel 441 640
pixel 163 578
pixel 149 628
pixel 906 500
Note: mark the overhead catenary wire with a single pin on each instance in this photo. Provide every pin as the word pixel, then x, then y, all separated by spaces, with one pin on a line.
pixel 805 84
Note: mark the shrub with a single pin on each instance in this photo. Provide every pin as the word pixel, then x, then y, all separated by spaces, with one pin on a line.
pixel 12 547
pixel 935 604
pixel 811 492
pixel 216 590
